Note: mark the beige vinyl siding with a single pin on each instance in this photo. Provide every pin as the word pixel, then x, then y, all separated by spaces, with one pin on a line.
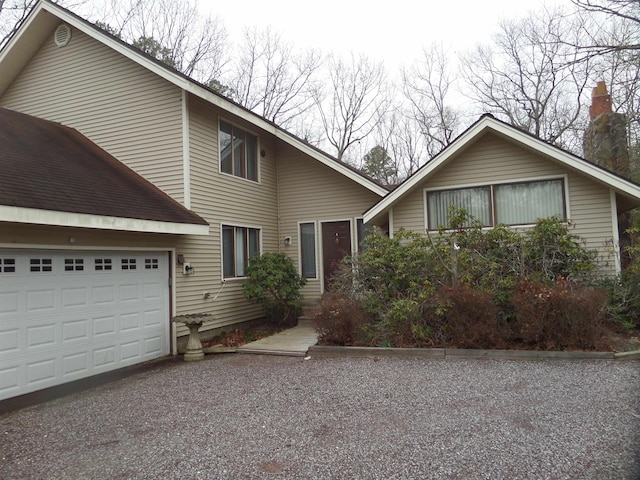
pixel 310 191
pixel 224 199
pixel 125 109
pixel 494 160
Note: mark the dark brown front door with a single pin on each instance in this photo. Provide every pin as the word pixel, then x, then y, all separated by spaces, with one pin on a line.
pixel 336 243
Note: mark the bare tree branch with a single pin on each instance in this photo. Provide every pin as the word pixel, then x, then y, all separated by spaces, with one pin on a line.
pixel 357 99
pixel 426 85
pixel 272 79
pixel 529 78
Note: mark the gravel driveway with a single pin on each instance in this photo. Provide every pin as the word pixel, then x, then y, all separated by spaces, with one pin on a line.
pixel 243 416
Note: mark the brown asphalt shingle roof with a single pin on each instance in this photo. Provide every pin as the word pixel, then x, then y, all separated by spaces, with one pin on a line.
pixel 45 165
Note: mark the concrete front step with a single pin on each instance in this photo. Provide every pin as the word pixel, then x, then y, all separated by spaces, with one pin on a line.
pixel 291 342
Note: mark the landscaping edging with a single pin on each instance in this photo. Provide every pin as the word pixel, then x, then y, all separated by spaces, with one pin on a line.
pixel 330 351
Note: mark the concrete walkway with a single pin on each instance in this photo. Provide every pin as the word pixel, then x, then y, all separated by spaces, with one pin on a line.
pixel 292 342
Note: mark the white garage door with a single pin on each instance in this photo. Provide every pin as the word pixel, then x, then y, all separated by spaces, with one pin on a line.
pixel 65 315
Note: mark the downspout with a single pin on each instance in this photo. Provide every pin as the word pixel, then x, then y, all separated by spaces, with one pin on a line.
pixel 186 161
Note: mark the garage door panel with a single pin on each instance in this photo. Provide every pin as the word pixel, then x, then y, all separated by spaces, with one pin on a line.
pixel 41 371
pixel 104 326
pixel 75 364
pixel 151 318
pixel 103 294
pixel 129 293
pixel 40 300
pixel 153 346
pixel 9 340
pixel 9 303
pixel 129 321
pixel 76 330
pixel 41 336
pixel 10 380
pixel 104 358
pixel 131 350
pixel 75 297
pixel 68 315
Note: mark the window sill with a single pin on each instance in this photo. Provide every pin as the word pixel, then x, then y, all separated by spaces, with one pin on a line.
pixel 244 179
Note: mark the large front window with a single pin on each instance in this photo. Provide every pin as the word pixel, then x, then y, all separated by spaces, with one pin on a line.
pixel 239 245
pixel 511 204
pixel 238 152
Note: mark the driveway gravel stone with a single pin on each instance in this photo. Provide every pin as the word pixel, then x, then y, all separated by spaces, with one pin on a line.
pixel 244 416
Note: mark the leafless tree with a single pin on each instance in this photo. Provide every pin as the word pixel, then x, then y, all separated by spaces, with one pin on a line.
pixel 401 136
pixel 14 12
pixel 356 99
pixel 530 79
pixel 427 85
pixel 628 10
pixel 271 78
pixel 193 43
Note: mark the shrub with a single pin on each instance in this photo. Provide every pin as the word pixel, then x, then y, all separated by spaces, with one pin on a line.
pixel 624 290
pixel 466 318
pixel 338 320
pixel 553 252
pixel 559 317
pixel 274 282
pixel 464 287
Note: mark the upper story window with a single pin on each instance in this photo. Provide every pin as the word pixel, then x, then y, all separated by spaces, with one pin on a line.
pixel 238 152
pixel 511 204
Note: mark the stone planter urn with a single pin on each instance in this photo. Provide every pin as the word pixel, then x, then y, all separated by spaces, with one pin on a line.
pixel 193 321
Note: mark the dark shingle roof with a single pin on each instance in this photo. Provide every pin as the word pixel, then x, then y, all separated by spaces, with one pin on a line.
pixel 48 166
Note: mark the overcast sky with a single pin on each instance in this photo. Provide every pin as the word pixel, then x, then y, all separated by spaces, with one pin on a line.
pixel 393 32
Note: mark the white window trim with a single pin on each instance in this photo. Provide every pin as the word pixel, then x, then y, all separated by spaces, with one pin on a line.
pixel 316 243
pixel 258 155
pixel 237 225
pixel 563 177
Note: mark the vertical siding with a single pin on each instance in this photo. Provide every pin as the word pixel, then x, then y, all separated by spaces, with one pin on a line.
pixel 224 199
pixel 493 159
pixel 309 191
pixel 127 110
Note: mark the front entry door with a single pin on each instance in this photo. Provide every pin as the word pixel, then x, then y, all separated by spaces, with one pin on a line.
pixel 336 243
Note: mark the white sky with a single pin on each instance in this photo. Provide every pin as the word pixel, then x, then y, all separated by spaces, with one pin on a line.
pixel 394 32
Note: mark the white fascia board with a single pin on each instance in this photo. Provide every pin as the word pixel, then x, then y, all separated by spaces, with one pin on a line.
pixel 193 88
pixel 488 123
pixel 84 220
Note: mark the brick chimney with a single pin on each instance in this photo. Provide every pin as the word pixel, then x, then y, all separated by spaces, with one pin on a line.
pixel 605 139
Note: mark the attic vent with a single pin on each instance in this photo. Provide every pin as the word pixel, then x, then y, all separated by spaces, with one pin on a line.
pixel 62 36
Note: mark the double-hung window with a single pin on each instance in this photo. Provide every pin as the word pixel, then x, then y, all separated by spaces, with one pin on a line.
pixel 238 152
pixel 239 245
pixel 511 204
